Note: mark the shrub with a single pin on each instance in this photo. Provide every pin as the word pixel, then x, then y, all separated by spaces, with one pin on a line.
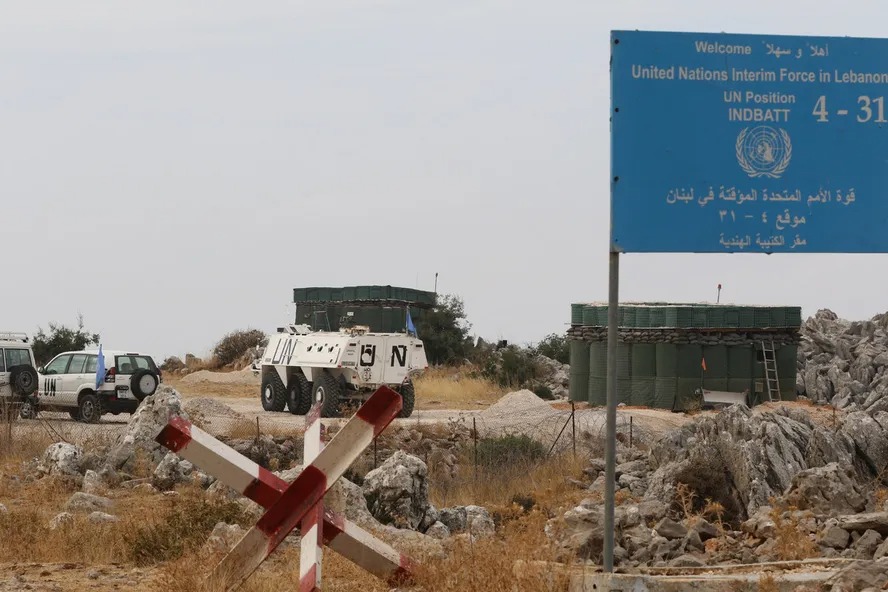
pixel 543 392
pixel 556 347
pixel 237 344
pixel 172 364
pixel 61 339
pixel 509 450
pixel 183 530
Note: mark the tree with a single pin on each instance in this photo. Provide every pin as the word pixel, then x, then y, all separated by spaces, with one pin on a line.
pixel 61 339
pixel 444 331
pixel 237 344
pixel 556 347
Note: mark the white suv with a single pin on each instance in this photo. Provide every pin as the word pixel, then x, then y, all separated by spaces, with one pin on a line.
pixel 69 380
pixel 18 378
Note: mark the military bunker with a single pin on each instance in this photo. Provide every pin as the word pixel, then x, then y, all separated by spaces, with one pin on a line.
pixel 382 308
pixel 668 353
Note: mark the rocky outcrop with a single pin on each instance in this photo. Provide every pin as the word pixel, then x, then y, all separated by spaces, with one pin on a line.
pixel 151 416
pixel 174 470
pixel 844 363
pixel 743 457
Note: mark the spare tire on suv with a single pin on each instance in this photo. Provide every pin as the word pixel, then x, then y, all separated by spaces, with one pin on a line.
pixel 23 380
pixel 144 383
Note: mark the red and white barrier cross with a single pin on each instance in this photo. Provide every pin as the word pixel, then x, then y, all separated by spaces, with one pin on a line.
pixel 289 504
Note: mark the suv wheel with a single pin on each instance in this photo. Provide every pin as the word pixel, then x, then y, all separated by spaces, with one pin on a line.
pixel 90 408
pixel 23 379
pixel 144 383
pixel 299 394
pixel 28 408
pixel 274 393
pixel 327 392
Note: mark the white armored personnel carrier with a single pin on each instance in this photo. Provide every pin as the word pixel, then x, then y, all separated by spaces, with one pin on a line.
pixel 300 366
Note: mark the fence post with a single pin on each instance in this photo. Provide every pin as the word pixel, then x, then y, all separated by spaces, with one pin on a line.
pixel 375 461
pixel 630 431
pixel 573 428
pixel 475 439
pixel 257 429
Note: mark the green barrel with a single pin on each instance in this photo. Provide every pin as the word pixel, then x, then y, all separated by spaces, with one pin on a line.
pixel 732 317
pixel 590 316
pixel 716 317
pixel 578 389
pixel 786 371
pixel 642 392
pixel 664 392
pixel 657 316
pixel 690 362
pixel 624 360
pixel 684 316
pixel 740 358
pixel 747 318
pixel 642 316
pixel 624 390
pixel 667 360
pixel 716 357
pixel 598 359
pixel 762 316
pixel 670 316
pixel 644 360
pixel 627 316
pixel 699 317
pixel 576 314
pixel 597 391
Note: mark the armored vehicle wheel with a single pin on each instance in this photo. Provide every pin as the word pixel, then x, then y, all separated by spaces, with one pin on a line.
pixel 408 398
pixel 299 394
pixel 274 393
pixel 327 390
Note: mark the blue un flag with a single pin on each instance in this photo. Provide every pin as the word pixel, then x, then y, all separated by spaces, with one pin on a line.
pixel 100 368
pixel 411 328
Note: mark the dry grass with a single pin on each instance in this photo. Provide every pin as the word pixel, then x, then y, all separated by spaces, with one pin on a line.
pixel 767 583
pixel 437 388
pixel 791 540
pixel 545 481
pixel 25 530
pixel 487 564
pixel 212 389
pixel 455 388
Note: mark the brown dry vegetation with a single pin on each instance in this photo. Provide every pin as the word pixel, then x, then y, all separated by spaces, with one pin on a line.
pixel 437 388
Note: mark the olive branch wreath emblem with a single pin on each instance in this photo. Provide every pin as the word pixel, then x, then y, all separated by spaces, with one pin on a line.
pixel 777 170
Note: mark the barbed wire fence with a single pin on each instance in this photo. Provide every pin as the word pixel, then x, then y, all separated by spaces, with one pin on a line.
pixel 470 439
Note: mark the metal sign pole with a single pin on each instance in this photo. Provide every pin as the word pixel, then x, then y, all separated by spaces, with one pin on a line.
pixel 610 456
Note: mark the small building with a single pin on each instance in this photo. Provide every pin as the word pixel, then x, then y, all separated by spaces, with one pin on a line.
pixel 667 352
pixel 382 308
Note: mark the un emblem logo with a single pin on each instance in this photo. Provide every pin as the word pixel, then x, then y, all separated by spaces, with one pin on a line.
pixel 763 151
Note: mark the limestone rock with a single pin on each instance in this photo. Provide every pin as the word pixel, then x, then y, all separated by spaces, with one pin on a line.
pixel 61 520
pixel 61 458
pixel 87 502
pixel 835 537
pixel 102 518
pixel 223 538
pixel 829 490
pixel 145 424
pixel 397 492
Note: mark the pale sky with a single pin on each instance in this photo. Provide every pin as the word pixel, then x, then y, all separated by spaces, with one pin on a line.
pixel 172 170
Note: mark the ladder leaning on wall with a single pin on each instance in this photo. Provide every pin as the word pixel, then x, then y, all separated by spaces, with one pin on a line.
pixel 772 383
